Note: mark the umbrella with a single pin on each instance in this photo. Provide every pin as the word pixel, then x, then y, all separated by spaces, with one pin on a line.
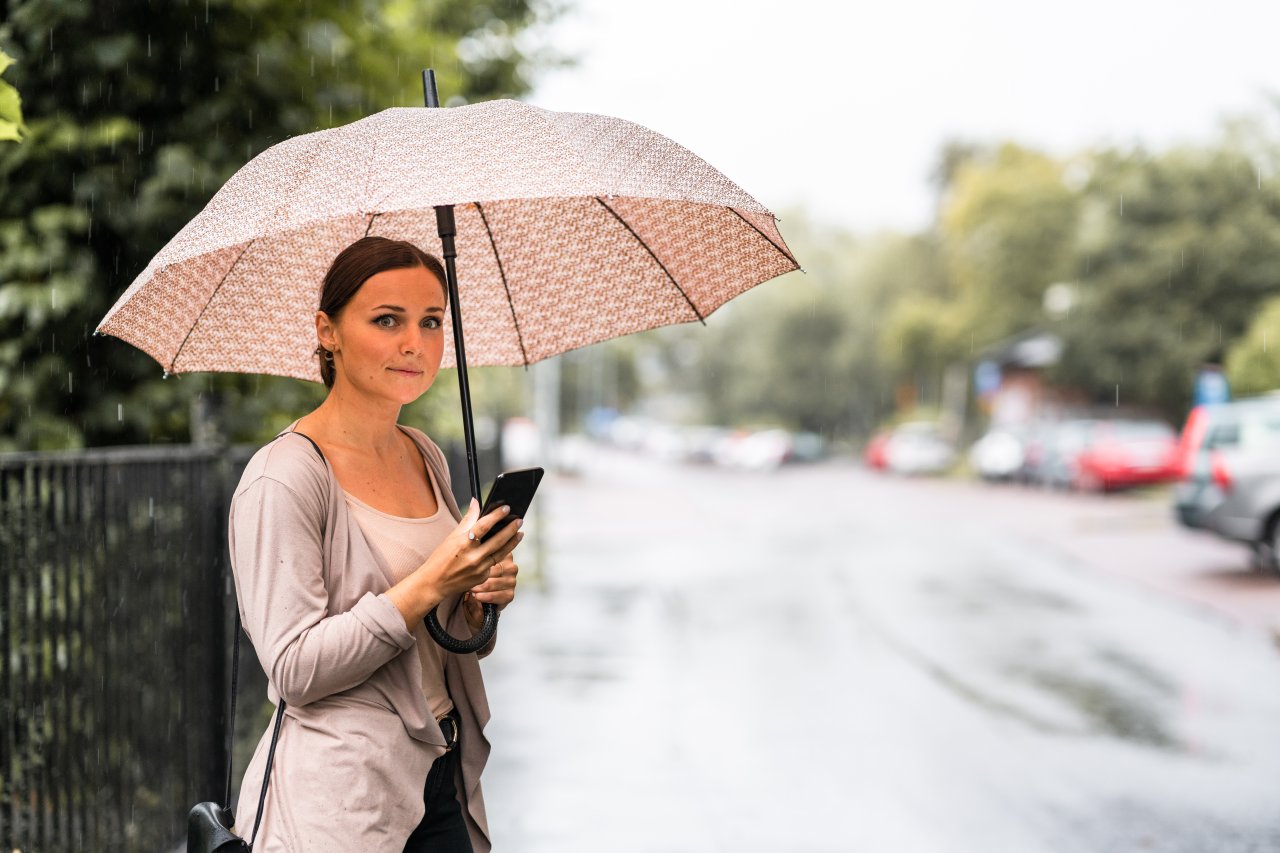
pixel 599 223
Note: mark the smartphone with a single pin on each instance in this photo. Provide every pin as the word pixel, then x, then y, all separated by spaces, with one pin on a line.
pixel 514 489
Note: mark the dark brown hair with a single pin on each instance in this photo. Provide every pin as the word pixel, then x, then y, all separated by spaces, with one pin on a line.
pixel 355 265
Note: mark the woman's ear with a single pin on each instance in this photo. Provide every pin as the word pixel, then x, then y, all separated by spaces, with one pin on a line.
pixel 326 332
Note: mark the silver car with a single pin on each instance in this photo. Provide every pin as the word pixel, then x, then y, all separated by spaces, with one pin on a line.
pixel 1233 485
pixel 918 447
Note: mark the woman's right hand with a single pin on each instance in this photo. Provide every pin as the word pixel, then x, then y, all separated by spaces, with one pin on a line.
pixel 459 563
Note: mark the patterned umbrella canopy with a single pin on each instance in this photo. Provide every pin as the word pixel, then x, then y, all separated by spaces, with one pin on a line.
pixel 593 225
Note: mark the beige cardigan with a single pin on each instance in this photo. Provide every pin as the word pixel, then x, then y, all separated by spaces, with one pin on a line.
pixel 357 739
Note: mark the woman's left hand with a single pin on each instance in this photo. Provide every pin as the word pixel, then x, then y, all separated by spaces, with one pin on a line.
pixel 499 589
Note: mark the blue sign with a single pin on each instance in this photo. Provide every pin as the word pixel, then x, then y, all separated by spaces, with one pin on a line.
pixel 1211 387
pixel 986 378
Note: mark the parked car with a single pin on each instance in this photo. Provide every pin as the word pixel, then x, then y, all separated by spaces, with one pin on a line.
pixel 1035 440
pixel 873 454
pixel 1063 444
pixel 807 447
pixel 1233 486
pixel 763 450
pixel 998 455
pixel 917 447
pixel 1122 453
pixel 701 443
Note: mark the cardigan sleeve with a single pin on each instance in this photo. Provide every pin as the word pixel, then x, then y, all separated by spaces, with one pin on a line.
pixel 277 558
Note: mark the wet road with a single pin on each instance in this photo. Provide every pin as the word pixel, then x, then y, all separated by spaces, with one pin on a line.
pixel 721 662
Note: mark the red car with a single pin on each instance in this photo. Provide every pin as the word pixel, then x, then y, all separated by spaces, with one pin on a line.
pixel 874 454
pixel 1127 453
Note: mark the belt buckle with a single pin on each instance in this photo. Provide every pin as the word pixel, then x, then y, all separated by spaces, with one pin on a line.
pixel 450 737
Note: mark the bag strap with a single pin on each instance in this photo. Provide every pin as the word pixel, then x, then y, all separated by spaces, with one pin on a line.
pixel 231 716
pixel 275 735
pixel 266 774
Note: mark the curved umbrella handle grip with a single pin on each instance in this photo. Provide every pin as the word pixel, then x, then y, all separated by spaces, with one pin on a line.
pixel 451 643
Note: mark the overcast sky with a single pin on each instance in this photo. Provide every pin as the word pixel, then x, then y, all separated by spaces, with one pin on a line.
pixel 842 106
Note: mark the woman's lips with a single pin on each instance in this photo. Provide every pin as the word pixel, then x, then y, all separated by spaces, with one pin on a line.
pixel 406 372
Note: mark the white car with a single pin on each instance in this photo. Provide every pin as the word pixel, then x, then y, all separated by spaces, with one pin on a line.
pixel 763 450
pixel 918 448
pixel 998 455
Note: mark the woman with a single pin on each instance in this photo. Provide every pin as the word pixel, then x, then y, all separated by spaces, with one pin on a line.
pixel 340 546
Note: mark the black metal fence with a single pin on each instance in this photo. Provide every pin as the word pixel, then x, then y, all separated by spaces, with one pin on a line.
pixel 113 638
pixel 115 619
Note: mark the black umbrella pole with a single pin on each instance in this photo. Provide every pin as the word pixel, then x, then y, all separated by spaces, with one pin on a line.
pixel 447 229
pixel 429 93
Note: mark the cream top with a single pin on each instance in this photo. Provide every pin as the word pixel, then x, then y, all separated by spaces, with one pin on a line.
pixel 404 544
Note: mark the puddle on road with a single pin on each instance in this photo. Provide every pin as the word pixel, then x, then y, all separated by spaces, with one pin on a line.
pixel 588 654
pixel 583 664
pixel 1106 709
pixel 1135 668
pixel 615 600
pixel 1119 698
pixel 986 592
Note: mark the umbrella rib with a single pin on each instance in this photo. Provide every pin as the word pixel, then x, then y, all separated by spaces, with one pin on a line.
pixel 503 274
pixel 369 227
pixel 767 238
pixel 661 266
pixel 174 362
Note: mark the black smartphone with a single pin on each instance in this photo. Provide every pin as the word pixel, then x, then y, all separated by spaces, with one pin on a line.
pixel 514 489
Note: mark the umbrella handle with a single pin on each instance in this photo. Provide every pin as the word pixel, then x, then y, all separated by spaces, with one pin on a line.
pixel 451 643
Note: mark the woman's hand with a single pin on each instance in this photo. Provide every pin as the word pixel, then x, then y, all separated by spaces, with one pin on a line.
pixel 499 589
pixel 461 562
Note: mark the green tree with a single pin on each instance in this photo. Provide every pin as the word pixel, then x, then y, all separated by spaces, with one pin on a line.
pixel 11 126
pixel 1004 231
pixel 1253 362
pixel 1177 252
pixel 136 113
pixel 907 321
pixel 1008 230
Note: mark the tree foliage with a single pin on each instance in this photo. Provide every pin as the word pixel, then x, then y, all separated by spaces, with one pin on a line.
pixel 1008 224
pixel 1177 252
pixel 11 127
pixel 1253 362
pixel 137 111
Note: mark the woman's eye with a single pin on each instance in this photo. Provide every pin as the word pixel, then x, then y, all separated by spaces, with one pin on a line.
pixel 390 317
pixel 432 323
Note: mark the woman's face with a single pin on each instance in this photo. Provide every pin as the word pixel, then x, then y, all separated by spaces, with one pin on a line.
pixel 389 338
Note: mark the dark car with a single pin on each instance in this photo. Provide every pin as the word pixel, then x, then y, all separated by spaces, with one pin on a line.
pixel 1233 485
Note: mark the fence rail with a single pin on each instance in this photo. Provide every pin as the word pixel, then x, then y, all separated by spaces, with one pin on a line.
pixel 115 620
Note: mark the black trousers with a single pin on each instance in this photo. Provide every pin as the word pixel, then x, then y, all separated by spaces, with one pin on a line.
pixel 442 829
